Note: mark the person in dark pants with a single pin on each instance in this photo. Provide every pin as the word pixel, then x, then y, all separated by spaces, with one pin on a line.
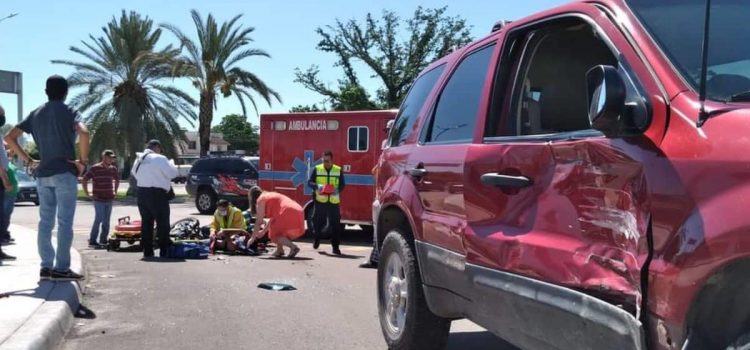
pixel 153 173
pixel 327 180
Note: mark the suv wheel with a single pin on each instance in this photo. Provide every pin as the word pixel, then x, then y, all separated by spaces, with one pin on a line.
pixel 205 202
pixel 405 318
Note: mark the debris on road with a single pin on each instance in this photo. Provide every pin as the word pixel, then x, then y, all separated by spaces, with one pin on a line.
pixel 276 286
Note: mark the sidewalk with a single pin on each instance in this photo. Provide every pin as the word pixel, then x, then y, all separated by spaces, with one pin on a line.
pixel 37 314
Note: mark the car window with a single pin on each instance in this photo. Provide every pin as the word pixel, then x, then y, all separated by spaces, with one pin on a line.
pixel 677 26
pixel 548 87
pixel 200 166
pixel 409 111
pixel 455 115
pixel 237 167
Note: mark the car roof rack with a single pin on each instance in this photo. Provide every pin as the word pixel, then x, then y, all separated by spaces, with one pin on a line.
pixel 500 25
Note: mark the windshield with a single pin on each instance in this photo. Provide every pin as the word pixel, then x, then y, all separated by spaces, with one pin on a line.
pixel 677 26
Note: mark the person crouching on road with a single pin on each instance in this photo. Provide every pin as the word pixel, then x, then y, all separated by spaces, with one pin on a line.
pixel 286 220
pixel 154 173
pixel 228 228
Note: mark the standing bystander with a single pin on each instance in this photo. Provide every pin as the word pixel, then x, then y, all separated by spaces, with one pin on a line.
pixel 105 183
pixel 153 173
pixel 327 181
pixel 8 188
pixel 54 127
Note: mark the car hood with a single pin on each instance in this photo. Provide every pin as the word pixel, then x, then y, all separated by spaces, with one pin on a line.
pixel 26 184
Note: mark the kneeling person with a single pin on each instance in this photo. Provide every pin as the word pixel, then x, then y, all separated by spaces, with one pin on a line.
pixel 228 228
pixel 286 220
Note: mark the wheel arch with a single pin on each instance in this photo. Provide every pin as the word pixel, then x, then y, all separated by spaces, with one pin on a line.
pixel 392 216
pixel 720 313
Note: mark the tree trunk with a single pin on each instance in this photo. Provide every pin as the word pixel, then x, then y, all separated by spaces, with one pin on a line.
pixel 205 118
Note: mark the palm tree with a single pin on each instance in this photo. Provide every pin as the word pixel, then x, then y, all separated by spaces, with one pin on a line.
pixel 125 95
pixel 211 65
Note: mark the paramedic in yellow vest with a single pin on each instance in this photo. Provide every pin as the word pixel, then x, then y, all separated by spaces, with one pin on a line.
pixel 228 222
pixel 327 180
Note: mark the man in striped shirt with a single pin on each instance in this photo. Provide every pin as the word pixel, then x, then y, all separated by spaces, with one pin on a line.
pixel 105 182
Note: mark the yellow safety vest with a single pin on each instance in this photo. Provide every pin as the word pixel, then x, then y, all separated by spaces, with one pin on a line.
pixel 323 177
pixel 231 212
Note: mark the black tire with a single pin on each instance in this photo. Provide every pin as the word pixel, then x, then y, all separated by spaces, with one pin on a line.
pixel 113 245
pixel 205 201
pixel 421 328
pixel 367 229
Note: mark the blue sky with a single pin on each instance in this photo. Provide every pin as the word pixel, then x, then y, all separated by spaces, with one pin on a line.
pixel 44 30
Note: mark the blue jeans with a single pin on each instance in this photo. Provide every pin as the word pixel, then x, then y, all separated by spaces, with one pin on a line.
pixel 57 198
pixel 101 220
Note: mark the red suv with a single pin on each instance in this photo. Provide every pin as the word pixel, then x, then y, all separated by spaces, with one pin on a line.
pixel 579 179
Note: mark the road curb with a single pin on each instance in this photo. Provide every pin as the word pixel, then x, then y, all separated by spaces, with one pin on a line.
pixel 48 325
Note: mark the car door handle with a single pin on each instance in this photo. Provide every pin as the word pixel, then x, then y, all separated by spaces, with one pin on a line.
pixel 499 180
pixel 418 172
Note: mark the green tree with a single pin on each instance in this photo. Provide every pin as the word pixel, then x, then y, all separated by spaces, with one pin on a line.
pixel 240 133
pixel 211 64
pixel 429 35
pixel 124 96
pixel 307 109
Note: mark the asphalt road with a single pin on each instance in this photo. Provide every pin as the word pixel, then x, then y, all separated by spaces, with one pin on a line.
pixel 215 303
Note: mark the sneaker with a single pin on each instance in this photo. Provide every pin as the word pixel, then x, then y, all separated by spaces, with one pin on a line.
pixel 4 256
pixel 96 246
pixel 45 274
pixel 66 276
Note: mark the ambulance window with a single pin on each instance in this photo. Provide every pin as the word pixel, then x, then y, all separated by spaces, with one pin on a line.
pixel 359 138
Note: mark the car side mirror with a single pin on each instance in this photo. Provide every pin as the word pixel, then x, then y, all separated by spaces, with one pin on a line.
pixel 606 92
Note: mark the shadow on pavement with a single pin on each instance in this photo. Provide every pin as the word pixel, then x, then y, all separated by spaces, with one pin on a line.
pixel 298 258
pixel 482 340
pixel 162 260
pixel 342 256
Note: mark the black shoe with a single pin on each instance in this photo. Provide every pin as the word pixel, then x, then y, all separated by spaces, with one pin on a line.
pixel 4 256
pixel 148 255
pixel 45 274
pixel 97 246
pixel 66 276
pixel 368 265
pixel 316 244
pixel 336 251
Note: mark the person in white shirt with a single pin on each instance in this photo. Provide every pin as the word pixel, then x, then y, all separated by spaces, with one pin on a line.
pixel 153 173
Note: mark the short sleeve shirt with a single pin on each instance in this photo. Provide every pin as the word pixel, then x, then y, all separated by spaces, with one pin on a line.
pixel 53 127
pixel 102 178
